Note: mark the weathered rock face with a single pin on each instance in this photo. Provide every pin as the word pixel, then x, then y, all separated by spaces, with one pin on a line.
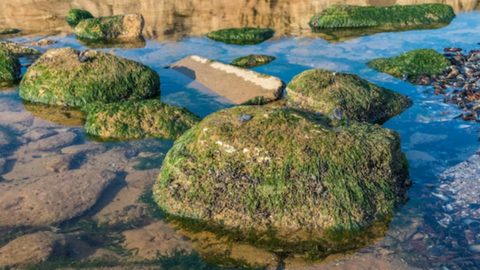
pixel 54 142
pixel 284 168
pixel 9 67
pixel 33 249
pixel 324 91
pixel 18 49
pixel 413 63
pixel 51 199
pixel 235 84
pixel 139 119
pixel 75 16
pixel 118 26
pixel 242 36
pixel 346 16
pixel 252 60
pixel 58 77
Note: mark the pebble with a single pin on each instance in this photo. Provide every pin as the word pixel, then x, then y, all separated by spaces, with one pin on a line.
pixel 243 118
pixel 337 114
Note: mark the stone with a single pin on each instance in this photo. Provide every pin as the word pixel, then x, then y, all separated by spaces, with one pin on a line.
pixel 139 119
pixel 51 199
pixel 413 63
pixel 75 16
pixel 418 236
pixel 58 78
pixel 242 36
pixel 236 84
pixel 43 42
pixel 8 31
pixel 252 60
pixel 325 91
pixel 32 249
pixel 54 142
pixel 87 148
pixel 39 133
pixel 141 179
pixel 5 138
pixel 392 17
pixel 18 49
pixel 286 169
pixel 58 163
pixel 9 68
pixel 118 26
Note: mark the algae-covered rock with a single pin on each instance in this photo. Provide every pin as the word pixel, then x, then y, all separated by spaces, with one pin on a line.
pixel 139 119
pixel 412 63
pixel 58 77
pixel 18 49
pixel 118 26
pixel 75 16
pixel 9 67
pixel 242 36
pixel 8 31
pixel 323 91
pixel 285 168
pixel 252 60
pixel 346 16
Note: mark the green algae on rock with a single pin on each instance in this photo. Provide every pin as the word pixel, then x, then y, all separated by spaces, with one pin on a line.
pixel 9 67
pixel 323 91
pixel 59 78
pixel 18 49
pixel 397 16
pixel 252 60
pixel 242 36
pixel 75 16
pixel 285 168
pixel 8 31
pixel 139 119
pixel 118 26
pixel 412 63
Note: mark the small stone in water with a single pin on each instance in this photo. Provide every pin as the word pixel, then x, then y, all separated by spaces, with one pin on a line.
pixel 405 77
pixel 243 118
pixel 441 196
pixel 337 114
pixel 130 153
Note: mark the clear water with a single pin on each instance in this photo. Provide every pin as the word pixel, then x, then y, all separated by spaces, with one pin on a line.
pixel 176 29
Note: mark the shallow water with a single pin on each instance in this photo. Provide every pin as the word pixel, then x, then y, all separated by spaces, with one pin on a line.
pixel 175 29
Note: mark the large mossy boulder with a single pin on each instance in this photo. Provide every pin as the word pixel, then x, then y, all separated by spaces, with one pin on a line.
pixel 9 67
pixel 413 63
pixel 242 36
pixel 58 77
pixel 284 168
pixel 18 49
pixel 323 91
pixel 252 60
pixel 398 16
pixel 75 16
pixel 139 119
pixel 118 26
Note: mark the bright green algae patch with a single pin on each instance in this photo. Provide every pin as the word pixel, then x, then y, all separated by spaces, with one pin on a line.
pixel 9 67
pixel 285 168
pixel 57 77
pixel 118 26
pixel 242 36
pixel 323 91
pixel 139 119
pixel 412 63
pixel 19 50
pixel 252 60
pixel 75 16
pixel 346 16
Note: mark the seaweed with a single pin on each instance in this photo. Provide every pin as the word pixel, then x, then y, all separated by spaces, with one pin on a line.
pixel 242 36
pixel 75 16
pixel 252 60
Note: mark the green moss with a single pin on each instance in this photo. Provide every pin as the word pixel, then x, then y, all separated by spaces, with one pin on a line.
pixel 242 36
pixel 75 16
pixel 57 77
pixel 139 119
pixel 285 168
pixel 323 91
pixel 412 63
pixel 101 28
pixel 252 60
pixel 19 50
pixel 9 67
pixel 346 16
pixel 8 31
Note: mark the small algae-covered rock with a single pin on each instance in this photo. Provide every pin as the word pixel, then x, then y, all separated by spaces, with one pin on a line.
pixel 118 26
pixel 346 16
pixel 18 50
pixel 9 67
pixel 236 84
pixel 242 36
pixel 139 119
pixel 43 42
pixel 412 63
pixel 285 168
pixel 324 91
pixel 75 16
pixel 252 60
pixel 58 77
pixel 8 31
